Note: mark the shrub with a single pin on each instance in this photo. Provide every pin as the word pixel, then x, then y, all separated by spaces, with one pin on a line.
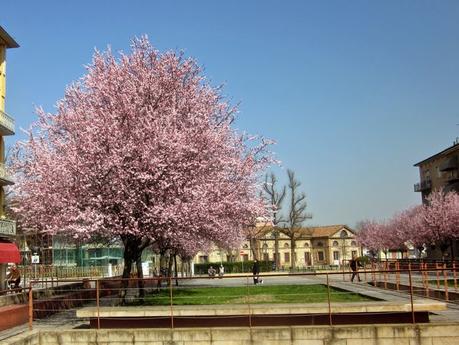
pixel 233 267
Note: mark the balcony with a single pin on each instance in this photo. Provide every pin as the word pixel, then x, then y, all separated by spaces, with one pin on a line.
pixel 449 164
pixel 6 124
pixel 452 176
pixel 423 185
pixel 5 177
pixel 7 227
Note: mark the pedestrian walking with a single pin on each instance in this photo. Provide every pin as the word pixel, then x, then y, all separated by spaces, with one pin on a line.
pixel 354 263
pixel 255 271
pixel 221 271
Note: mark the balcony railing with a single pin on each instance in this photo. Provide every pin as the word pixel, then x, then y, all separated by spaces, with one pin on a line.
pixel 7 227
pixel 6 124
pixel 5 177
pixel 423 185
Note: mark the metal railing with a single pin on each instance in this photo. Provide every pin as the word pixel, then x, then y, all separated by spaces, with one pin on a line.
pixel 48 300
pixel 423 185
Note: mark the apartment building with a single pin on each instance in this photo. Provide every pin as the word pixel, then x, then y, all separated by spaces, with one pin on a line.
pixel 9 252
pixel 439 171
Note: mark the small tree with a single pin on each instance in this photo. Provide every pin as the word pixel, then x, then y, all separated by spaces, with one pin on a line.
pixel 275 197
pixel 296 214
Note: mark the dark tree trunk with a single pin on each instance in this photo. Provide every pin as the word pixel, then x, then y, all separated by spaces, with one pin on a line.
pixel 444 249
pixel 292 252
pixel 169 269
pixel 140 282
pixel 276 249
pixel 175 269
pixel 452 249
pixel 254 247
pixel 133 248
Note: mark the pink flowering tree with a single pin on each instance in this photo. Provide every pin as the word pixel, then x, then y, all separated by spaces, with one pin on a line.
pixel 411 227
pixel 141 149
pixel 368 236
pixel 441 217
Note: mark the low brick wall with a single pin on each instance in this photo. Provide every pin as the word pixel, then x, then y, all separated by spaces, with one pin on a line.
pixel 438 334
pixel 13 315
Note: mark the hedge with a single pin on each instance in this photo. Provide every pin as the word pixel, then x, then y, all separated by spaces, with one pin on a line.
pixel 233 267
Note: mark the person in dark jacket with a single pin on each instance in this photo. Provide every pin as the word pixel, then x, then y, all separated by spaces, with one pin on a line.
pixel 255 271
pixel 354 263
pixel 14 277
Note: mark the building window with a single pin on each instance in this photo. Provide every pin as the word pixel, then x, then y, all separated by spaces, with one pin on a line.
pixel 335 244
pixel 203 259
pixel 320 244
pixel 335 255
pixel 343 234
pixel 307 258
pixel 286 245
pixel 320 256
pixel 245 257
pixel 265 256
pixel 306 245
pixel 354 244
pixel 245 246
pixel 354 253
pixel 287 257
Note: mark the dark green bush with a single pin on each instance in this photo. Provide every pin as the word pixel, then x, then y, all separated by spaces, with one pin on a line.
pixel 233 267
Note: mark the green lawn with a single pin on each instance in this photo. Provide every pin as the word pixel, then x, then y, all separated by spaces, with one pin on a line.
pixel 442 282
pixel 253 294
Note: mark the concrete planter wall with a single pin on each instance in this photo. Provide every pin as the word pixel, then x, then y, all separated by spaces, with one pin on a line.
pixel 318 335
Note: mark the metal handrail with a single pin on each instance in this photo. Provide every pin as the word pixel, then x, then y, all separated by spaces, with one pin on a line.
pixel 99 290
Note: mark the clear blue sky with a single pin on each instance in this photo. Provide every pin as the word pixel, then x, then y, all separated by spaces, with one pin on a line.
pixel 354 92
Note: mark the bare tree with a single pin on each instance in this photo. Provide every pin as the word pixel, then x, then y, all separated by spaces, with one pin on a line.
pixel 275 198
pixel 296 214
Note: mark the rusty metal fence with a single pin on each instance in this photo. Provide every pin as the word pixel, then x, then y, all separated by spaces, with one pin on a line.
pixel 57 301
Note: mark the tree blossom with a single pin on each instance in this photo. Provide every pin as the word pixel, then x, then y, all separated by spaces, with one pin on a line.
pixel 141 148
pixel 440 216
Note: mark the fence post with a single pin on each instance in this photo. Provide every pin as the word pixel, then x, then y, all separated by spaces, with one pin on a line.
pixel 385 274
pixel 438 275
pixel 413 319
pixel 330 320
pixel 365 272
pixel 248 303
pixel 172 301
pixel 455 276
pixel 98 303
pixel 373 273
pixel 397 274
pixel 427 279
pixel 30 305
pixel 445 281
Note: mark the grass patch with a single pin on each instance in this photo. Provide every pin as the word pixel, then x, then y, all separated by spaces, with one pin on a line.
pixel 442 282
pixel 253 294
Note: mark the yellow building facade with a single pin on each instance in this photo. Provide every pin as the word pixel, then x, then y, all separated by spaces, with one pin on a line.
pixel 8 250
pixel 314 246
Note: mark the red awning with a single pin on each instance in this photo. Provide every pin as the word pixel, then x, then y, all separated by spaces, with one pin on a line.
pixel 9 253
